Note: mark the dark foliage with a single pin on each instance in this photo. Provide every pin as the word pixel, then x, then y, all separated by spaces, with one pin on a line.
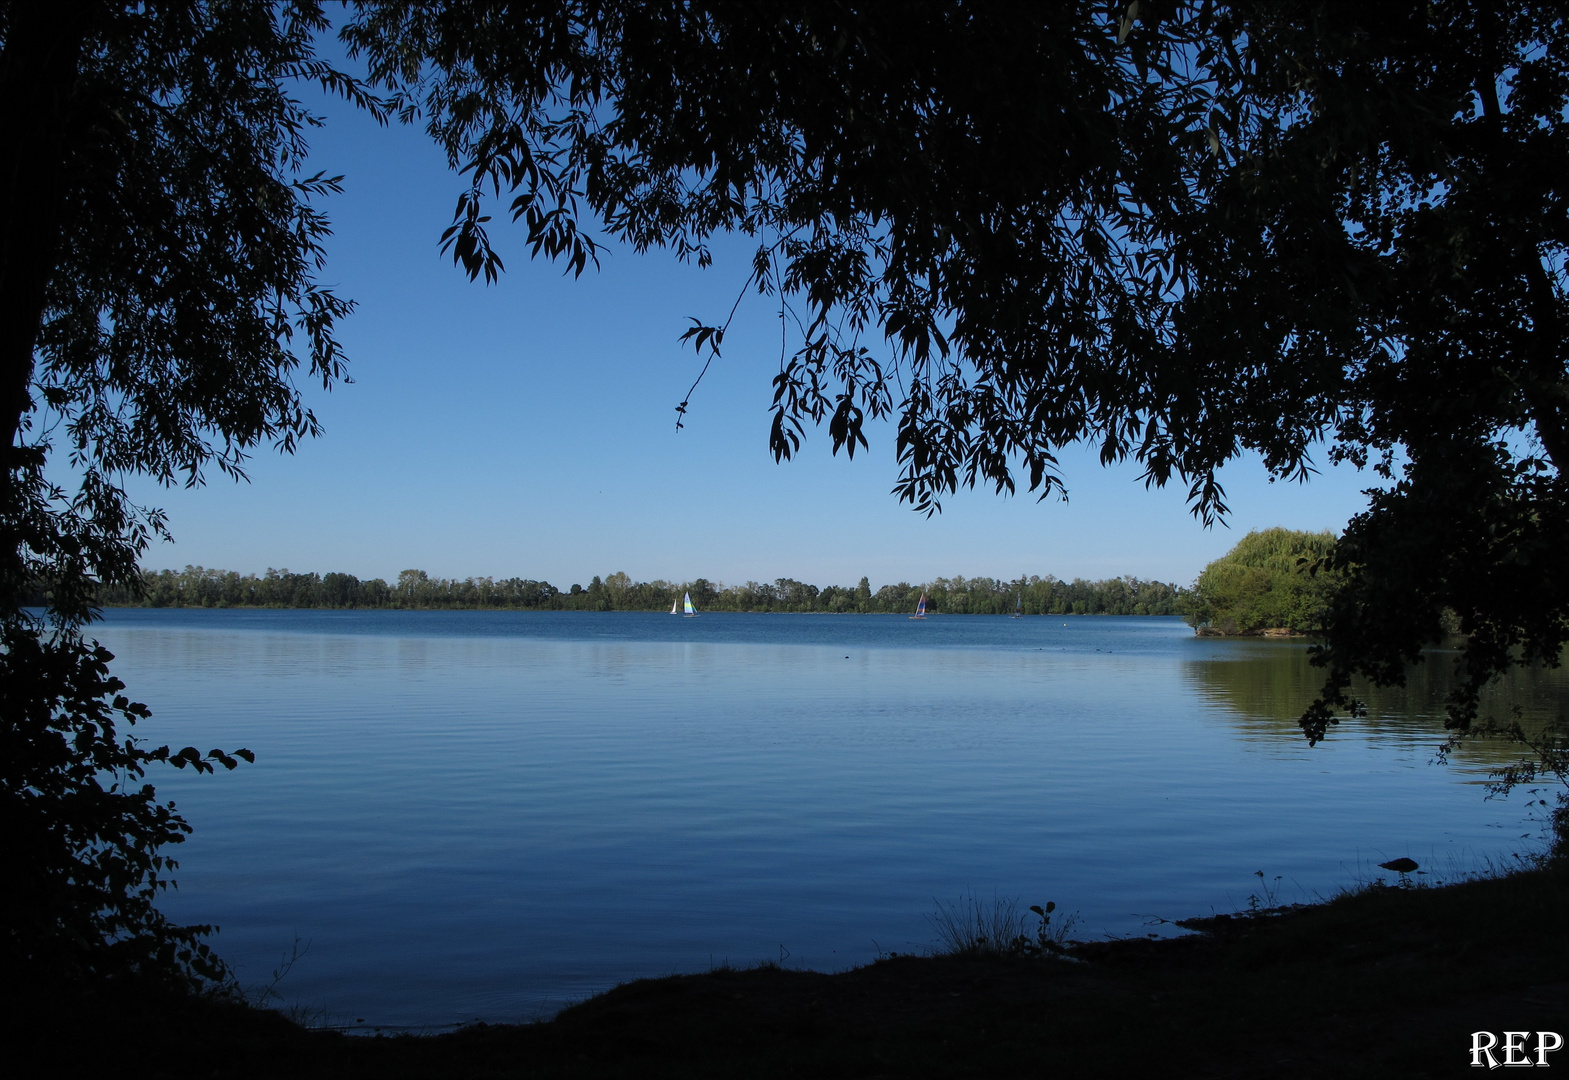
pixel 1180 231
pixel 83 833
pixel 158 247
pixel 176 295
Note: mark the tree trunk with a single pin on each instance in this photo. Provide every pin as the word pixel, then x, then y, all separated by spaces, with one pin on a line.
pixel 38 74
pixel 1546 393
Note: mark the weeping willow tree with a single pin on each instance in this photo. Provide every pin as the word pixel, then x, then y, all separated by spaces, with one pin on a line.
pixel 158 304
pixel 1274 580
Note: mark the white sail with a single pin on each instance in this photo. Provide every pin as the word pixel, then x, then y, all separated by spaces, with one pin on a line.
pixel 675 607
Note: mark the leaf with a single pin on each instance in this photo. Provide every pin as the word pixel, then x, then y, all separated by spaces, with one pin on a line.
pixel 1125 26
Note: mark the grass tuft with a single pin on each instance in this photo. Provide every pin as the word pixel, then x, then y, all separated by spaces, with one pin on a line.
pixel 971 927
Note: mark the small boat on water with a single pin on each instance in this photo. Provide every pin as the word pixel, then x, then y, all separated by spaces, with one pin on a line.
pixel 675 607
pixel 920 608
pixel 690 612
pixel 1018 608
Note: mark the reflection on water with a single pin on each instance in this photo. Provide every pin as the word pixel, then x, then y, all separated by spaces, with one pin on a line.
pixel 1264 686
pixel 486 815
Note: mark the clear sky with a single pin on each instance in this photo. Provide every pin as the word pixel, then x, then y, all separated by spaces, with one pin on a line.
pixel 528 429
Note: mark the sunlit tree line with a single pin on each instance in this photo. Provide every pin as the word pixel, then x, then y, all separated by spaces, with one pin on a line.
pixel 197 586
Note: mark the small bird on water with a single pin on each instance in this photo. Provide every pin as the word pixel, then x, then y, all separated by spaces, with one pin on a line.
pixel 1401 865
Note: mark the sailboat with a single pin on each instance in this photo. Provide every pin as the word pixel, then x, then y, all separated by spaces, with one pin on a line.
pixel 920 608
pixel 690 612
pixel 675 607
pixel 1018 609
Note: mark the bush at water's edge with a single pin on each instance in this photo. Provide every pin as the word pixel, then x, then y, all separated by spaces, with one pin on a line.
pixel 1273 583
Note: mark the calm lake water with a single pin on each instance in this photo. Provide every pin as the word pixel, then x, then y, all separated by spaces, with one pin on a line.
pixel 490 815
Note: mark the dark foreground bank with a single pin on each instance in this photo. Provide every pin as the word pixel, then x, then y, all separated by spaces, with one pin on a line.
pixel 1386 982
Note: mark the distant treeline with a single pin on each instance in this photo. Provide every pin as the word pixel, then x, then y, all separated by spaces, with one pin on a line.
pixel 197 586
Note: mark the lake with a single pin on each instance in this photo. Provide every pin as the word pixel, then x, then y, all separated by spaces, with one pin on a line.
pixel 489 815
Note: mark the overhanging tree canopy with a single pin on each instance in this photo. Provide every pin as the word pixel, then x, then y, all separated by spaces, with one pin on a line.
pixel 157 252
pixel 1179 231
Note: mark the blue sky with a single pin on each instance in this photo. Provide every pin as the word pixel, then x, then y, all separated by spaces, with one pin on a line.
pixel 527 429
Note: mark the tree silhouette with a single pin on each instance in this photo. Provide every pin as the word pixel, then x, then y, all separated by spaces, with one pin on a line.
pixel 157 250
pixel 1178 231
